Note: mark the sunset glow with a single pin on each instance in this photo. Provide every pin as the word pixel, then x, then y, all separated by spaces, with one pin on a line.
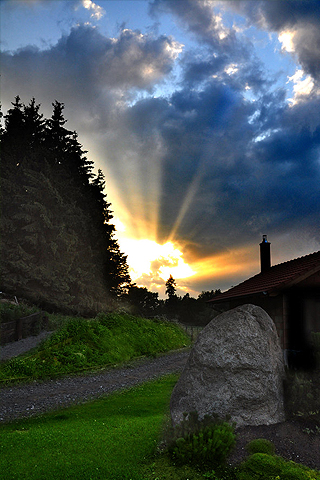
pixel 149 258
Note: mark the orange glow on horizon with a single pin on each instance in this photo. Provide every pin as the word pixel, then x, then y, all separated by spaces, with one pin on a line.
pixel 151 263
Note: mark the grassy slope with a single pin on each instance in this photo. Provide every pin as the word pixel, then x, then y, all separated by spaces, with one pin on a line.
pixel 81 344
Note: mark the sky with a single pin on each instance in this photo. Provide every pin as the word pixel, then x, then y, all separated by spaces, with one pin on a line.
pixel 203 115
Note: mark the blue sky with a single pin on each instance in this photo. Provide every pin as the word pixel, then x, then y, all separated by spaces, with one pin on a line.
pixel 203 115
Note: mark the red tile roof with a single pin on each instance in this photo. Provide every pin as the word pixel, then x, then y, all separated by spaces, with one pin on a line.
pixel 278 277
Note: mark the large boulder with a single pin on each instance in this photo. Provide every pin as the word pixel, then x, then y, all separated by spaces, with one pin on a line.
pixel 235 369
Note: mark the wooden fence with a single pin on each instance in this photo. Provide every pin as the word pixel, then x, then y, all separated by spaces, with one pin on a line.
pixel 192 330
pixel 23 327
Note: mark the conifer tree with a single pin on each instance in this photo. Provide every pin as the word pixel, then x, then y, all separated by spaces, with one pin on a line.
pixel 58 247
pixel 171 287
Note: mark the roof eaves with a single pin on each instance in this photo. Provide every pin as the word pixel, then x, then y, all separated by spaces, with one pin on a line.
pixel 293 281
pixel 273 290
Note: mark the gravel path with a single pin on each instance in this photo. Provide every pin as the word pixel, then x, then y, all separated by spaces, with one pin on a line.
pixel 37 397
pixel 14 349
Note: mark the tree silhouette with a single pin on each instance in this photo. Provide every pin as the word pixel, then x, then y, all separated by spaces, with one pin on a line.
pixel 171 287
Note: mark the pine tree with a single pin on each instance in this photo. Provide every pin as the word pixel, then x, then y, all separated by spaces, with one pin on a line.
pixel 14 120
pixel 34 126
pixel 58 246
pixel 171 287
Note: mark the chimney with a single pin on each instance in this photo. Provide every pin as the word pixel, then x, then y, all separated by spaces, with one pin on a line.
pixel 265 256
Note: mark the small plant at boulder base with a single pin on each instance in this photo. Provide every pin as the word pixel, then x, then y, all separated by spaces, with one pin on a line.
pixel 204 443
pixel 260 445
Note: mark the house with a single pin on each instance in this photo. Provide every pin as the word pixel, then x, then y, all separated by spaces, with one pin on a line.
pixel 289 292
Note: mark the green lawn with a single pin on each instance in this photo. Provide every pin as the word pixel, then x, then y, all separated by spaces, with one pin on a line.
pixel 116 438
pixel 109 438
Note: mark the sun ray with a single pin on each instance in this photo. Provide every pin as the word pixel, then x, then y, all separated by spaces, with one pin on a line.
pixel 187 202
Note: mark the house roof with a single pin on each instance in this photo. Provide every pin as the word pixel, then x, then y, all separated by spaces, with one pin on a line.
pixel 275 279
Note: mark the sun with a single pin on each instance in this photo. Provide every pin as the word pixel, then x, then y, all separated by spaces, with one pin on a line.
pixel 148 258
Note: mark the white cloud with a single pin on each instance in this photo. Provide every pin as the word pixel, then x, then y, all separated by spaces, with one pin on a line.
pixel 97 11
pixel 286 38
pixel 303 85
pixel 231 69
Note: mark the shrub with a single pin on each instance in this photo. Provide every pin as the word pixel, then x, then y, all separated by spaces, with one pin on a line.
pixel 205 443
pixel 260 445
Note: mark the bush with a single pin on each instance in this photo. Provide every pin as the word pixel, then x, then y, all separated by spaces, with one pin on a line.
pixel 260 445
pixel 261 466
pixel 205 443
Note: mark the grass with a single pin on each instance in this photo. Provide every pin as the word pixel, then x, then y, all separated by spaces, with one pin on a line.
pixel 116 438
pixel 87 344
pixel 110 438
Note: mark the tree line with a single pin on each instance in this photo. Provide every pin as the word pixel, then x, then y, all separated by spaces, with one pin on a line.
pixel 186 309
pixel 58 244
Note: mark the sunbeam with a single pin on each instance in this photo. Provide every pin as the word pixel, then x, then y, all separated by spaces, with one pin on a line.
pixel 187 202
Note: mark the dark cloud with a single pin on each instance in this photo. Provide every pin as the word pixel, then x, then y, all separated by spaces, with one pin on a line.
pixel 302 17
pixel 244 166
pixel 200 19
pixel 299 16
pixel 87 66
pixel 277 15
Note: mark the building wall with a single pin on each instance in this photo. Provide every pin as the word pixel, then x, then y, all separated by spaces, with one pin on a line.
pixel 311 314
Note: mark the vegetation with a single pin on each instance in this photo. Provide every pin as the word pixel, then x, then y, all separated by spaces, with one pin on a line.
pixel 92 440
pixel 58 247
pixel 203 443
pixel 261 466
pixel 186 309
pixel 171 287
pixel 10 312
pixel 128 425
pixel 260 445
pixel 302 392
pixel 86 344
pixel 110 438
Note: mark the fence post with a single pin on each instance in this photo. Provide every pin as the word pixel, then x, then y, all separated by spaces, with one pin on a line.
pixel 19 329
